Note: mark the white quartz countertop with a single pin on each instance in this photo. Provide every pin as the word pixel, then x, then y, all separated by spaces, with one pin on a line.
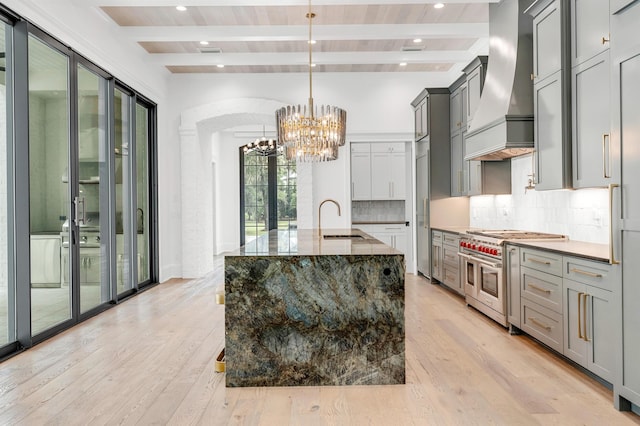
pixel 307 242
pixel 594 251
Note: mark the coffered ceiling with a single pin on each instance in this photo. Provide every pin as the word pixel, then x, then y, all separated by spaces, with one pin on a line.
pixel 270 36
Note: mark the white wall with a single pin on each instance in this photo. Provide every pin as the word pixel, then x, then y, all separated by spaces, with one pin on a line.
pixel 582 214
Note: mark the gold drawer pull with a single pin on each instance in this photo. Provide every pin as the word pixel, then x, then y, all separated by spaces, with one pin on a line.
pixel 535 287
pixel 542 262
pixel 540 324
pixel 587 273
pixel 220 298
pixel 605 40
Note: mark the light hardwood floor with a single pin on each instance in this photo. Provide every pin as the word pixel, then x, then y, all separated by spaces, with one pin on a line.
pixel 150 361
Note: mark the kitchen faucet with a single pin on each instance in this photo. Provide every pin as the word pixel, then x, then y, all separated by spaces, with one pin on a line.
pixel 320 213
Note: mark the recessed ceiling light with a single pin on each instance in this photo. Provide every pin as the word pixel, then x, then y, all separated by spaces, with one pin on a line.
pixel 313 65
pixel 403 64
pixel 311 42
pixel 438 5
pixel 204 42
pixel 417 40
pixel 181 8
pixel 220 65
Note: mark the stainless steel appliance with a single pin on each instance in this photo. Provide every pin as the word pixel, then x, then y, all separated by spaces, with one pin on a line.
pixel 482 254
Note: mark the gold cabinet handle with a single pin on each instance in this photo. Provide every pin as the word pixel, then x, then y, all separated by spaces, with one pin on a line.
pixel 612 259
pixel 584 317
pixel 220 364
pixel 540 289
pixel 580 336
pixel 540 324
pixel 533 76
pixel 605 40
pixel 587 273
pixel 220 298
pixel 542 262
pixel 605 173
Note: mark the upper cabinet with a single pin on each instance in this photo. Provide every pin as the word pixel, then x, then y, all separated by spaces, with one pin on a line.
pixel 590 94
pixel 388 171
pixel 457 104
pixel 551 94
pixel 378 171
pixel 589 29
pixel 421 115
pixel 475 73
pixel 360 171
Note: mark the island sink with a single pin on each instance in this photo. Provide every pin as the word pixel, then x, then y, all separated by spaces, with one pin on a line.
pixel 306 310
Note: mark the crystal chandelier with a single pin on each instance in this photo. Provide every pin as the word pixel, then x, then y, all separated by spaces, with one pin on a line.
pixel 263 146
pixel 310 133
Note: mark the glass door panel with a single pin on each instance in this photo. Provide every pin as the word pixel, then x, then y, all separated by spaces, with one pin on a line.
pixel 122 133
pixel 7 293
pixel 256 196
pixel 287 194
pixel 142 190
pixel 49 188
pixel 93 187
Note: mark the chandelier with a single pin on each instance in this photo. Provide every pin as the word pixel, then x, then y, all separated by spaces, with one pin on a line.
pixel 309 133
pixel 263 146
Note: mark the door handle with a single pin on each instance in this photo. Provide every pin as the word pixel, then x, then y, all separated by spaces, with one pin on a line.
pixel 540 289
pixel 587 273
pixel 542 262
pixel 424 210
pixel 606 172
pixel 612 259
pixel 584 317
pixel 79 219
pixel 580 336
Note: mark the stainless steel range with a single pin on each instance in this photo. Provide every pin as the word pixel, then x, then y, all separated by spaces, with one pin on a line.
pixel 483 268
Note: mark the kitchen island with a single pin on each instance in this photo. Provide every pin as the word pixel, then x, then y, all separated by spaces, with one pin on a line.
pixel 305 310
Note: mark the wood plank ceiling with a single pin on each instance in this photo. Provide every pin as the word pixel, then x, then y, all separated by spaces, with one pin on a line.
pixel 270 36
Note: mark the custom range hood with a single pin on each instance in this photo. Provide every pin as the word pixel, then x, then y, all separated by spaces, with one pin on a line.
pixel 502 126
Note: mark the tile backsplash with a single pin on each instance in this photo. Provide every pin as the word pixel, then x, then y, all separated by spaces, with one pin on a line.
pixel 582 214
pixel 378 211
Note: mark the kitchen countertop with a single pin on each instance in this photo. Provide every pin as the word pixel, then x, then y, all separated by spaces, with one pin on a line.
pixel 593 251
pixel 380 222
pixel 307 242
pixel 455 229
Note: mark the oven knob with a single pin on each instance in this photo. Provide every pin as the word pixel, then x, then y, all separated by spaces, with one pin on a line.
pixel 494 252
pixel 483 249
pixel 463 244
pixel 473 246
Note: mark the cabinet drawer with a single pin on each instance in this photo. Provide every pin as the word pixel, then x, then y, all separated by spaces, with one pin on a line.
pixel 541 288
pixel 451 276
pixel 436 237
pixel 543 324
pixel 450 256
pixel 387 147
pixel 541 261
pixel 360 147
pixel 451 239
pixel 597 274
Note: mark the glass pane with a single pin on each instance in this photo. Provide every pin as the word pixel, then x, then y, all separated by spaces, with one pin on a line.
pixel 7 304
pixel 122 105
pixel 142 188
pixel 48 184
pixel 93 187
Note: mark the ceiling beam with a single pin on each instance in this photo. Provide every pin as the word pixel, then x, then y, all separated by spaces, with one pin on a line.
pixel 302 58
pixel 300 32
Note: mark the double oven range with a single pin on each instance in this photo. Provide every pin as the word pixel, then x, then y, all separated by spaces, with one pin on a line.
pixel 483 268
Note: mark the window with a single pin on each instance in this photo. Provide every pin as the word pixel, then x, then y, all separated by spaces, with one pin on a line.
pixel 268 196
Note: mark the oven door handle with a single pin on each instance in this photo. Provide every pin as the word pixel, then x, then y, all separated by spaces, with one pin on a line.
pixel 478 260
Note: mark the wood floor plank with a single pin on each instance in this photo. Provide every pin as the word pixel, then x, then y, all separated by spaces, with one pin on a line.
pixel 150 360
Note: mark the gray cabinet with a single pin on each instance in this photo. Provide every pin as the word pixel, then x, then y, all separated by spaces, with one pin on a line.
pixel 513 285
pixel 360 171
pixel 625 58
pixel 590 315
pixel 541 310
pixel 551 94
pixel 436 255
pixel 421 117
pixel 459 167
pixel 589 29
pixel 475 74
pixel 457 115
pixel 488 177
pixel 422 209
pixel 451 262
pixel 592 151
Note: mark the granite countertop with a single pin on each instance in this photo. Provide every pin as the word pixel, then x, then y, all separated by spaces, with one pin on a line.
pixel 593 251
pixel 307 242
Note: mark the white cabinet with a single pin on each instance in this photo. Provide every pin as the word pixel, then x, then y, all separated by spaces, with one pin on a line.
pixel 360 171
pixel 551 95
pixel 394 235
pixel 590 316
pixel 388 171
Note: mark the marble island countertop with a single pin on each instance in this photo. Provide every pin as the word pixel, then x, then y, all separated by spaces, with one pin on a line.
pixel 307 242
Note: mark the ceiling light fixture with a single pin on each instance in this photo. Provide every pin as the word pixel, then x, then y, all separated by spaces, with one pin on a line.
pixel 204 43
pixel 181 8
pixel 263 146
pixel 438 5
pixel 312 134
pixel 417 40
pixel 403 64
pixel 220 65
